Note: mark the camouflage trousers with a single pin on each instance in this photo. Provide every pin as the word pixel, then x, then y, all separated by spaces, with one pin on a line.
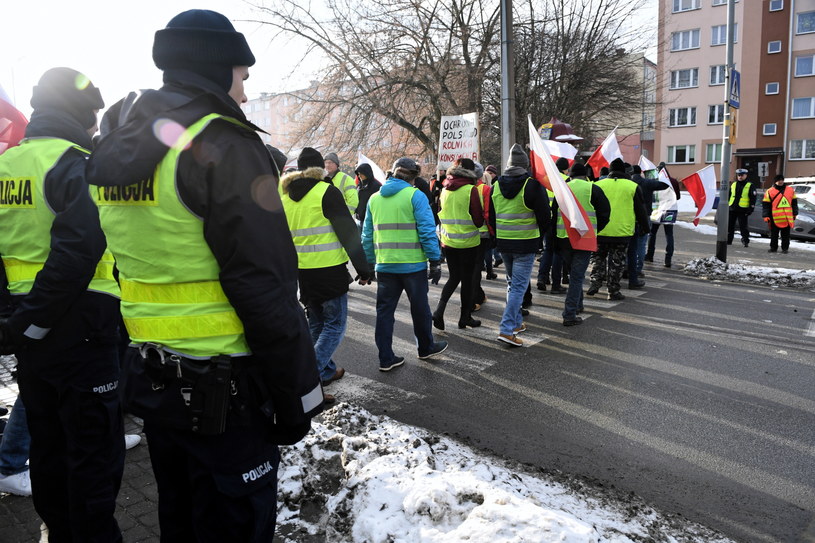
pixel 608 264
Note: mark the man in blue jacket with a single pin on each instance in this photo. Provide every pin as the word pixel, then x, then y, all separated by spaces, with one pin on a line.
pixel 399 235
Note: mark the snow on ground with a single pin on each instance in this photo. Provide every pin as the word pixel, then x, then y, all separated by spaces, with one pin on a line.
pixel 713 268
pixel 363 478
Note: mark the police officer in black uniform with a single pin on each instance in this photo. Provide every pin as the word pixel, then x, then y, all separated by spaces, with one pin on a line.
pixel 63 328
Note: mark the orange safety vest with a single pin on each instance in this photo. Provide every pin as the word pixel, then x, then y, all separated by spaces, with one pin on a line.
pixel 781 205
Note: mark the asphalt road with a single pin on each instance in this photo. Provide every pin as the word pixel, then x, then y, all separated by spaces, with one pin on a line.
pixel 698 396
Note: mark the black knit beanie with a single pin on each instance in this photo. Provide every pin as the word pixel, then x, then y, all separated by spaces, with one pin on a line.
pixel 617 165
pixel 69 91
pixel 203 42
pixel 310 158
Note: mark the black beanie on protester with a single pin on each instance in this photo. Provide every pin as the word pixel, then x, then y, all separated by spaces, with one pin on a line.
pixel 203 42
pixel 69 91
pixel 578 170
pixel 310 158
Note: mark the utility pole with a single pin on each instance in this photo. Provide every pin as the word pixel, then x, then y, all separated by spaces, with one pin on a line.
pixel 723 212
pixel 507 82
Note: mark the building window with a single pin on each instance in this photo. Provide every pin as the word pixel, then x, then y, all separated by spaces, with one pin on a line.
pixel 771 88
pixel 683 79
pixel 721 2
pixel 769 129
pixel 713 152
pixel 685 5
pixel 715 114
pixel 686 39
pixel 681 154
pixel 683 116
pixel 774 47
pixel 718 74
pixel 806 22
pixel 719 34
pixel 802 149
pixel 805 66
pixel 803 108
pixel 776 5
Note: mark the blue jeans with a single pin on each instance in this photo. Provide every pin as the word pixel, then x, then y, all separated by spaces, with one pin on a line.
pixel 519 270
pixel 326 321
pixel 669 238
pixel 636 256
pixel 389 289
pixel 16 442
pixel 578 262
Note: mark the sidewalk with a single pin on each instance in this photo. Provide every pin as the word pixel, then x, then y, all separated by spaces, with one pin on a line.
pixel 137 510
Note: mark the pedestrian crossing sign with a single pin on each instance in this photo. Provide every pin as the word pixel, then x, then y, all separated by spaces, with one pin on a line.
pixel 735 89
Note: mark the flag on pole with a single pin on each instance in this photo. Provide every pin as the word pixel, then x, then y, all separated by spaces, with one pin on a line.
pixel 379 175
pixel 578 226
pixel 12 123
pixel 646 165
pixel 702 188
pixel 559 149
pixel 605 154
pixel 665 208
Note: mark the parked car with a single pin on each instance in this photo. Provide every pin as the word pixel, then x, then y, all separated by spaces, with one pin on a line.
pixel 805 191
pixel 803 229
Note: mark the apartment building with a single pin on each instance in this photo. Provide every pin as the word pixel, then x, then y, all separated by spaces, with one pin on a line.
pixel 774 51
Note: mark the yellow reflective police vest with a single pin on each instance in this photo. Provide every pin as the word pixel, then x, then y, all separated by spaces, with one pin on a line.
pixel 744 197
pixel 457 228
pixel 26 217
pixel 314 238
pixel 396 239
pixel 171 294
pixel 513 220
pixel 346 184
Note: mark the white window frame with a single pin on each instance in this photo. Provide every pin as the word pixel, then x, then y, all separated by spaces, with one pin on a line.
pixel 805 145
pixel 691 36
pixel 717 153
pixel 769 129
pixel 812 66
pixel 719 114
pixel 675 114
pixel 769 92
pixel 798 22
pixel 811 108
pixel 720 31
pixel 676 5
pixel 693 78
pixel 776 5
pixel 690 152
pixel 720 70
pixel 774 47
pixel 721 2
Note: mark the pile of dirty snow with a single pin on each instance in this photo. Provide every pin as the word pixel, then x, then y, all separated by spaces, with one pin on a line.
pixel 713 268
pixel 363 478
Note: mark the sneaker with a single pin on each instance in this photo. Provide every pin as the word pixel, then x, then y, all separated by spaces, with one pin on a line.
pixel 616 296
pixel 437 348
pixel 520 329
pixel 395 363
pixel 131 440
pixel 18 484
pixel 557 290
pixel 592 290
pixel 573 322
pixel 512 340
pixel 339 374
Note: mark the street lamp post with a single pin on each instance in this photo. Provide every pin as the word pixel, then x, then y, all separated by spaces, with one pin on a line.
pixel 723 212
pixel 507 81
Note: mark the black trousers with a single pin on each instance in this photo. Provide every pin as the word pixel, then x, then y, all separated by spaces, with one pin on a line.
pixel 460 264
pixel 741 217
pixel 785 237
pixel 77 439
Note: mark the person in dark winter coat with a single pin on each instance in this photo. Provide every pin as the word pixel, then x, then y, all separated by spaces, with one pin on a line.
pixel 368 186
pixel 215 199
pixel 638 243
pixel 669 229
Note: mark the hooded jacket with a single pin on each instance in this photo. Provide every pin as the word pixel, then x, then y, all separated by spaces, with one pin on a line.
pixel 367 188
pixel 425 225
pixel 534 198
pixel 227 178
pixel 461 177
pixel 318 285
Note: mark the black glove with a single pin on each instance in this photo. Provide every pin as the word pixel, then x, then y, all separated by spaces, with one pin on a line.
pixel 434 272
pixel 9 343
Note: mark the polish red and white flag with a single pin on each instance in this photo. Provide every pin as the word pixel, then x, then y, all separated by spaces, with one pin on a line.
pixel 605 154
pixel 558 149
pixel 578 226
pixel 702 188
pixel 12 123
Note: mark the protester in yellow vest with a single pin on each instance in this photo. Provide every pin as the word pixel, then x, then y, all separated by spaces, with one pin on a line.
pixel 780 209
pixel 399 234
pixel 594 202
pixel 64 324
pixel 221 367
pixel 461 216
pixel 742 201
pixel 342 181
pixel 324 235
